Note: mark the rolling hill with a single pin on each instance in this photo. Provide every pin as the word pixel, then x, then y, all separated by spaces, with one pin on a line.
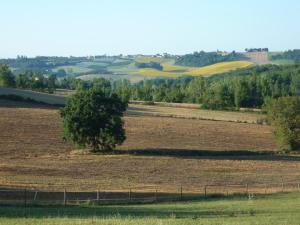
pixel 177 71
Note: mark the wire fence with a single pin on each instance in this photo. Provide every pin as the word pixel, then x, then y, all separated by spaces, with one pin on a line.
pixel 30 196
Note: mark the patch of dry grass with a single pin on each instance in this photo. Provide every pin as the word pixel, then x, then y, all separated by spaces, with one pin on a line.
pixel 192 113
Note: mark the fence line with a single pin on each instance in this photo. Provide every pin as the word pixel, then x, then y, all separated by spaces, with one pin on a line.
pixel 31 196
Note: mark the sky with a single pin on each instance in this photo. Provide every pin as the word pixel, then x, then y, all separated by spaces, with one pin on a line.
pixel 96 27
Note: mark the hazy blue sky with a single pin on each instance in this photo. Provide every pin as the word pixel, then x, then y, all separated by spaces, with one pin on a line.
pixel 89 27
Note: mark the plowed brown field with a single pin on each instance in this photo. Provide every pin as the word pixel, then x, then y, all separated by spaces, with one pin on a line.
pixel 159 151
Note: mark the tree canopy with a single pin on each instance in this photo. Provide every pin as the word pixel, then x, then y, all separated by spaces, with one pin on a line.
pixel 7 78
pixel 153 65
pixel 287 55
pixel 284 115
pixel 94 119
pixel 207 58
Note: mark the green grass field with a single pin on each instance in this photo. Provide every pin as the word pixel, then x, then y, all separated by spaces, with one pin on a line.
pixel 73 69
pixel 270 209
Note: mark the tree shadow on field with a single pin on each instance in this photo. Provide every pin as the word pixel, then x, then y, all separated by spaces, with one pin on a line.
pixel 212 154
pixel 26 105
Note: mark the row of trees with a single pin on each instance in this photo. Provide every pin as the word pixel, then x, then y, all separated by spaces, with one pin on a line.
pixel 206 58
pixel 42 64
pixel 257 50
pixel 288 55
pixel 245 88
pixel 28 80
pixel 229 91
pixel 153 65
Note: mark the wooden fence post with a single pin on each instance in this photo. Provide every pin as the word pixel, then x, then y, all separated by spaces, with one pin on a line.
pixel 156 195
pixel 266 188
pixel 35 195
pixel 25 197
pixel 181 192
pixel 205 191
pixel 227 193
pixel 65 198
pixel 247 189
pixel 98 197
pixel 129 194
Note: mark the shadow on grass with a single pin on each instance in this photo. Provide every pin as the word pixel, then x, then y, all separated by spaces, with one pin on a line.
pixel 4 103
pixel 163 210
pixel 183 209
pixel 211 154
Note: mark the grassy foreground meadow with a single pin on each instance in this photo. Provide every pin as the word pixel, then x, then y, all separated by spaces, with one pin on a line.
pixel 273 209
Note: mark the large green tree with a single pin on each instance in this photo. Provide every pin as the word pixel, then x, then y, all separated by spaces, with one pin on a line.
pixel 7 78
pixel 94 119
pixel 284 115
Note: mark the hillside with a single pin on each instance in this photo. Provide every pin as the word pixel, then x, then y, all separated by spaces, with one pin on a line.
pixel 171 70
pixel 117 67
pixel 126 67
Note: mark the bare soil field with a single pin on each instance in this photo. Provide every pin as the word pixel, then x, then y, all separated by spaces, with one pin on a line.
pixel 192 113
pixel 259 58
pixel 159 151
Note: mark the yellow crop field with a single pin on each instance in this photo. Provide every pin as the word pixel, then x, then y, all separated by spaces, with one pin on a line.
pixel 154 72
pixel 177 71
pixel 218 68
pixel 173 68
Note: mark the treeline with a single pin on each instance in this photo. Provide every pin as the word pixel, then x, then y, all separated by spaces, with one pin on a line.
pixel 28 80
pixel 288 55
pixel 202 58
pixel 48 65
pixel 284 115
pixel 244 88
pixel 256 49
pixel 42 64
pixel 153 65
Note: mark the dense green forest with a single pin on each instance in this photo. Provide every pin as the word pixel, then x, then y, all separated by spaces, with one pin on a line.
pixel 198 59
pixel 242 88
pixel 288 55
